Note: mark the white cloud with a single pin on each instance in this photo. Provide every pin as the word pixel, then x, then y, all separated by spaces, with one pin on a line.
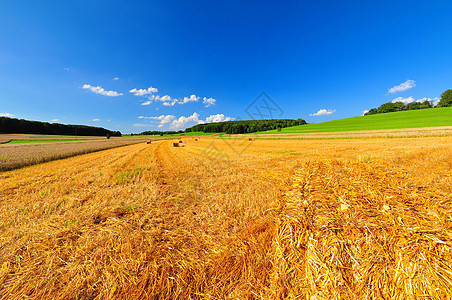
pixel 96 120
pixel 402 87
pixel 116 78
pixel 192 98
pixel 165 98
pixel 144 92
pixel 99 90
pixel 142 125
pixel 66 69
pixel 208 101
pixel 323 112
pixel 184 121
pixel 168 101
pixel 54 120
pixel 218 118
pixel 435 101
pixel 164 119
pixel 403 100
pixel 6 115
pixel 365 112
pixel 411 99
pixel 424 99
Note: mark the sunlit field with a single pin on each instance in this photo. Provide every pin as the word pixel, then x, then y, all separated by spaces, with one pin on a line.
pixel 437 117
pixel 222 218
pixel 18 150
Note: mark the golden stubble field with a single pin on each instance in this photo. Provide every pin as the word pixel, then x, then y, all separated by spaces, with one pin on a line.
pixel 229 219
pixel 13 156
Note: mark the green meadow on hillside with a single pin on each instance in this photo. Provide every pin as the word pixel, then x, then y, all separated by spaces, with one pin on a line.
pixel 432 117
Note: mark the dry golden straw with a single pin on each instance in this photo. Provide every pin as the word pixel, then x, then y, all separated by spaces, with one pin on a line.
pixel 276 219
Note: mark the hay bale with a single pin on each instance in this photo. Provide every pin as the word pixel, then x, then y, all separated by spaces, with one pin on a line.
pixel 175 144
pixel 148 142
pixel 248 139
pixel 180 141
pixel 196 140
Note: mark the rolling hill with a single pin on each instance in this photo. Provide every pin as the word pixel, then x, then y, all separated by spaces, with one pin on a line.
pixel 433 117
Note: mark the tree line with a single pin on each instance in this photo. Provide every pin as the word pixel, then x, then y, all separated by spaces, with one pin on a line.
pixel 247 126
pixel 445 101
pixel 12 125
pixel 157 132
pixel 234 127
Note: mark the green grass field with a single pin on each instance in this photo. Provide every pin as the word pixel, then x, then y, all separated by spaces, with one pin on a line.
pixel 39 141
pixel 56 136
pixel 433 117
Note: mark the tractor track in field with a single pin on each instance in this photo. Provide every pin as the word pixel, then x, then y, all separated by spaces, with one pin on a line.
pixel 162 173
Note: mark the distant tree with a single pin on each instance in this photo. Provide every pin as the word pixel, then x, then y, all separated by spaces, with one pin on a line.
pixel 426 104
pixel 391 107
pixel 11 125
pixel 399 106
pixel 446 99
pixel 419 105
pixel 108 136
pixel 300 121
pixel 413 105
pixel 371 111
pixel 246 126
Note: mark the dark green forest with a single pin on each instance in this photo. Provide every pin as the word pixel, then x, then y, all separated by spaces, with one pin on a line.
pixel 158 132
pixel 11 125
pixel 235 127
pixel 248 126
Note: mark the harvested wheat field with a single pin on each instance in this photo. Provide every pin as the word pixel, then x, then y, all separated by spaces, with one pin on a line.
pixel 233 219
pixel 23 154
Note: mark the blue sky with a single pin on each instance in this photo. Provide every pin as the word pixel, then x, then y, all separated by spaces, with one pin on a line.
pixel 108 63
